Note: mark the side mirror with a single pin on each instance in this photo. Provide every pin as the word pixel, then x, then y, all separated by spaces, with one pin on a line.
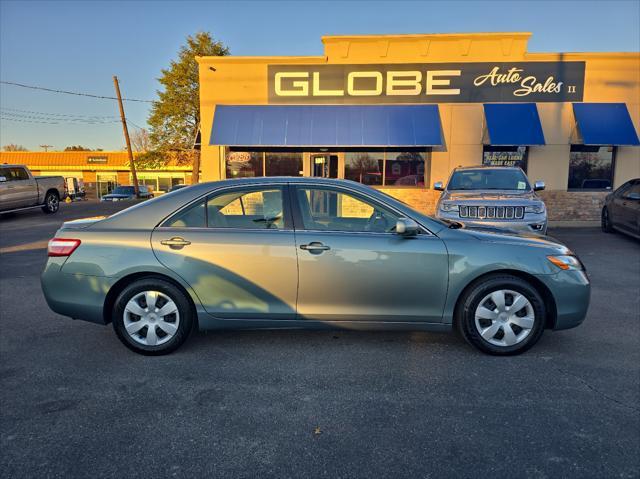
pixel 438 186
pixel 3 179
pixel 407 227
pixel 538 186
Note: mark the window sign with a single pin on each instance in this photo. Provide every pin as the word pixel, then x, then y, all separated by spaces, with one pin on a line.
pixel 505 156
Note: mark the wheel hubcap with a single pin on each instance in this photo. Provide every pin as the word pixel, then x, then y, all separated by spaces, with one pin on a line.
pixel 151 318
pixel 504 317
pixel 53 203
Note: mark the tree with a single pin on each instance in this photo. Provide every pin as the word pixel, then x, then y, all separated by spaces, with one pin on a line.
pixel 175 116
pixel 140 140
pixel 14 147
pixel 76 148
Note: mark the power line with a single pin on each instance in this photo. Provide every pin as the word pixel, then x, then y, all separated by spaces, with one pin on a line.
pixel 137 126
pixel 51 121
pixel 66 92
pixel 55 119
pixel 17 110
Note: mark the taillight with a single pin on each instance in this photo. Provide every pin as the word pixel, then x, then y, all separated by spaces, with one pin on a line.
pixel 62 246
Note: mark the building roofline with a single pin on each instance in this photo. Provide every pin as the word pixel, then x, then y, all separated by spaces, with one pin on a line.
pixel 427 36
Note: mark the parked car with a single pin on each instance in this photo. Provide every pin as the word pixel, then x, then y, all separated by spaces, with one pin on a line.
pixel 20 190
pixel 491 196
pixel 307 253
pixel 127 193
pixel 177 187
pixel 621 210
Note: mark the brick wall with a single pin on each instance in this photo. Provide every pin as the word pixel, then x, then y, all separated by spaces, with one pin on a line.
pixel 561 205
pixel 423 200
pixel 573 205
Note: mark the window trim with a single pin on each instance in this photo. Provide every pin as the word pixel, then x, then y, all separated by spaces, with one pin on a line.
pixel 613 168
pixel 286 208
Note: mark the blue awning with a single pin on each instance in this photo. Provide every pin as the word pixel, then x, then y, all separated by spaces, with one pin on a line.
pixel 326 125
pixel 605 124
pixel 513 124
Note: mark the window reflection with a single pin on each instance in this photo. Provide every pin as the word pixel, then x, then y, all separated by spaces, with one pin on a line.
pixel 404 169
pixel 283 164
pixel 242 164
pixel 591 167
pixel 363 167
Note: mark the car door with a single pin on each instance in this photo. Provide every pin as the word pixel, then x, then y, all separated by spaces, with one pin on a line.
pixel 24 189
pixel 18 190
pixel 353 267
pixel 629 208
pixel 236 249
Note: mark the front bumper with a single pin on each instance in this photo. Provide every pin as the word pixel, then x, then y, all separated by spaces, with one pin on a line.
pixel 571 291
pixel 531 223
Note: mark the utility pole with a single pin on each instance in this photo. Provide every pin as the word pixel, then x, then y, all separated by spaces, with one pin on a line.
pixel 46 147
pixel 134 176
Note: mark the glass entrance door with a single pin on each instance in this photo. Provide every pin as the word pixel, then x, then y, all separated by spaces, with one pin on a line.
pixel 324 166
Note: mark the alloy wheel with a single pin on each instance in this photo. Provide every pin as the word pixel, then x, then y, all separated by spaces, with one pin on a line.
pixel 151 318
pixel 504 318
pixel 52 203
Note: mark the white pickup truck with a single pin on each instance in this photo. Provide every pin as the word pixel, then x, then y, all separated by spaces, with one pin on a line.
pixel 20 190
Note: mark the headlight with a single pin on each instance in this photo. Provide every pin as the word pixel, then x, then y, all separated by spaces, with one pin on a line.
pixel 448 207
pixel 566 262
pixel 537 208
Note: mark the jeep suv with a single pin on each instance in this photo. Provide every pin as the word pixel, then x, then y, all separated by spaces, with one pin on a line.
pixel 488 196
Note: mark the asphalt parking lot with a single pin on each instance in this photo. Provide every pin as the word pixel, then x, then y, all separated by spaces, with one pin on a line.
pixel 75 403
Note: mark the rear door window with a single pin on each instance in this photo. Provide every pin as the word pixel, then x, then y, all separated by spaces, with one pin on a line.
pixel 249 208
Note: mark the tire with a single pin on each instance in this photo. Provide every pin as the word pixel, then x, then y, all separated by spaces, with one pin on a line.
pixel 51 202
pixel 605 221
pixel 475 315
pixel 170 330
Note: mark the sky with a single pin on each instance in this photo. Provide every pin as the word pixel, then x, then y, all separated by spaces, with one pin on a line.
pixel 80 45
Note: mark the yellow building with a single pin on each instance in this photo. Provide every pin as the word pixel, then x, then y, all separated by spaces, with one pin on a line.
pixel 399 112
pixel 98 171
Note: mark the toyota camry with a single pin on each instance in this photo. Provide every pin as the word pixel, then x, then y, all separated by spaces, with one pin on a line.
pixel 268 253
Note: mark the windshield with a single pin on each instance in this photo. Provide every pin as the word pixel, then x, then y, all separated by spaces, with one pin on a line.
pixel 499 179
pixel 123 190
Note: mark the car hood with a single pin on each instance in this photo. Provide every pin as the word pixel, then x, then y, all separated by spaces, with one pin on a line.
pixel 500 235
pixel 489 195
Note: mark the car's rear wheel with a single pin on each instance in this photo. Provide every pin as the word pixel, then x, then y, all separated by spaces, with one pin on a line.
pixel 51 202
pixel 501 315
pixel 152 316
pixel 605 221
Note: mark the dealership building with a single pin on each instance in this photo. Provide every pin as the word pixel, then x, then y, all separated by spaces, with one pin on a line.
pixel 400 112
pixel 99 172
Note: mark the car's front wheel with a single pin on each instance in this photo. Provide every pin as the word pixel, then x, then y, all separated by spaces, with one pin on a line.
pixel 501 315
pixel 605 221
pixel 152 316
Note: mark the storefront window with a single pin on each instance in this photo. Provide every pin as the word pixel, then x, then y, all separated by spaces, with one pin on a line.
pixel 404 169
pixel 283 164
pixel 591 167
pixel 505 156
pixel 241 164
pixel 363 167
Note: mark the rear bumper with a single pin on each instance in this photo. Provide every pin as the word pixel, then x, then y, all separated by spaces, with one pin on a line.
pixel 571 291
pixel 75 295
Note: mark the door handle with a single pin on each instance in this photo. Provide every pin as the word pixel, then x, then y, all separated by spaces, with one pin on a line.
pixel 176 242
pixel 314 247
